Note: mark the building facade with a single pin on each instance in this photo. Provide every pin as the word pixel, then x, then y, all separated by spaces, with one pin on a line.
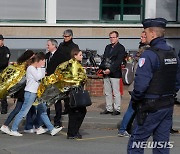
pixel 28 24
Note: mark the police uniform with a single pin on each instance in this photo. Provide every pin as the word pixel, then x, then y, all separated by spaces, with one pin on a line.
pixel 157 78
pixel 4 60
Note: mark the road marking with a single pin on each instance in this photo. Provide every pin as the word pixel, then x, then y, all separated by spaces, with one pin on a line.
pixel 95 138
pixel 92 138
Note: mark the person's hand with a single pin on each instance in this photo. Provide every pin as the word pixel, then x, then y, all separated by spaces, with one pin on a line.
pixel 41 63
pixel 107 71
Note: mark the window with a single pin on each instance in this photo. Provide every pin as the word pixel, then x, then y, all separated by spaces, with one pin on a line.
pixel 166 9
pixel 77 10
pixel 22 10
pixel 122 10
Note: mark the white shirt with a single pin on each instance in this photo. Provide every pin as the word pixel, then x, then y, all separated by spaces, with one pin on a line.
pixel 33 75
pixel 53 52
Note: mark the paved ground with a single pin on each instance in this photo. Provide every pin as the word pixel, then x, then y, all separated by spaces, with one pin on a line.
pixel 99 135
pixel 95 120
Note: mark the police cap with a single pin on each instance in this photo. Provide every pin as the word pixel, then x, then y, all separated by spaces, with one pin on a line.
pixel 154 22
pixel 1 37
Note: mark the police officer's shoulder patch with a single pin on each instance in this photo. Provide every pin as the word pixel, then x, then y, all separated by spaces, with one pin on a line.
pixel 141 62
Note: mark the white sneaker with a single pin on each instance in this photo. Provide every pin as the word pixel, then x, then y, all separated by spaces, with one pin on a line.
pixel 15 133
pixel 41 130
pixel 5 129
pixel 30 131
pixel 55 131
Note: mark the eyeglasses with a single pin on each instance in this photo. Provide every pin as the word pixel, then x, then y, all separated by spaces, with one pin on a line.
pixel 66 36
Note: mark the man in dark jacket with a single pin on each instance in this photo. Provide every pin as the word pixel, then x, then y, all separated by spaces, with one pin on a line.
pixel 111 66
pixel 4 60
pixel 65 49
pixel 53 59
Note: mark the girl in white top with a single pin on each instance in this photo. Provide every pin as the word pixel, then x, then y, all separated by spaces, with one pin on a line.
pixel 35 72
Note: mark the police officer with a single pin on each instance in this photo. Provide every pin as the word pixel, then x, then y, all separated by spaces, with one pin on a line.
pixel 4 60
pixel 157 79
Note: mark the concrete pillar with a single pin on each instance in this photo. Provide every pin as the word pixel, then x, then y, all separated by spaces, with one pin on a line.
pixel 51 11
pixel 150 9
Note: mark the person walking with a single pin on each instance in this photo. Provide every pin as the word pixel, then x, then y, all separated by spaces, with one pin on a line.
pixel 156 81
pixel 65 48
pixel 53 59
pixel 4 61
pixel 35 72
pixel 111 66
pixel 77 114
pixel 67 75
pixel 19 95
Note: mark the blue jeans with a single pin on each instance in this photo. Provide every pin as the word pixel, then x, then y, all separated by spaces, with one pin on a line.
pixel 42 113
pixel 32 119
pixel 13 113
pixel 29 99
pixel 127 117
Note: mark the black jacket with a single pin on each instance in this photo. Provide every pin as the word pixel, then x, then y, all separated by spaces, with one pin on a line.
pixel 116 57
pixel 53 63
pixel 4 57
pixel 65 49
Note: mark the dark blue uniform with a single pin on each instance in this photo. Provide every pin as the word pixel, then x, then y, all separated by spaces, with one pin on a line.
pixel 157 122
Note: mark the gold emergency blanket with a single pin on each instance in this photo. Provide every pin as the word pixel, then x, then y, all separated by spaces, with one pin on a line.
pixel 67 74
pixel 11 76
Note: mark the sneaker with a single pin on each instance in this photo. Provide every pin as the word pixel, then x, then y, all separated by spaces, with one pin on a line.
pixel 15 133
pixel 41 130
pixel 123 134
pixel 30 131
pixel 55 131
pixel 5 129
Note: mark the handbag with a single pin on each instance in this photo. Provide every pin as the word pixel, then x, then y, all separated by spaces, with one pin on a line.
pixel 79 97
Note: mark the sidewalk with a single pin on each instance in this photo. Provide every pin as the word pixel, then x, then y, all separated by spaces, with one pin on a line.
pixel 94 119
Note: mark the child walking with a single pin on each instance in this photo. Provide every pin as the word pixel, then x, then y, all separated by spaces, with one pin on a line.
pixel 34 74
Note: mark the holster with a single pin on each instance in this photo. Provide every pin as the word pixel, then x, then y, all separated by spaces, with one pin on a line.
pixel 141 115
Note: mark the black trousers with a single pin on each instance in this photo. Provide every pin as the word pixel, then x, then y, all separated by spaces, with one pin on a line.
pixel 58 111
pixel 4 104
pixel 66 104
pixel 76 117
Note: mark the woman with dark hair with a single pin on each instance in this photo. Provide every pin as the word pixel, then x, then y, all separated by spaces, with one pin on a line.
pixel 35 72
pixel 28 54
pixel 19 95
pixel 77 114
pixel 68 74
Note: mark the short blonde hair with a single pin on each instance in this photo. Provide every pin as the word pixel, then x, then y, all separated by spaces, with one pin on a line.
pixel 160 32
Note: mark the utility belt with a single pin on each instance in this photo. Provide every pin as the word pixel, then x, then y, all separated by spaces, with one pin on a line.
pixel 152 105
pixel 155 104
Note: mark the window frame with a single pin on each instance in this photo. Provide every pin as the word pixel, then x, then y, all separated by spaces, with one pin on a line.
pixel 122 6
